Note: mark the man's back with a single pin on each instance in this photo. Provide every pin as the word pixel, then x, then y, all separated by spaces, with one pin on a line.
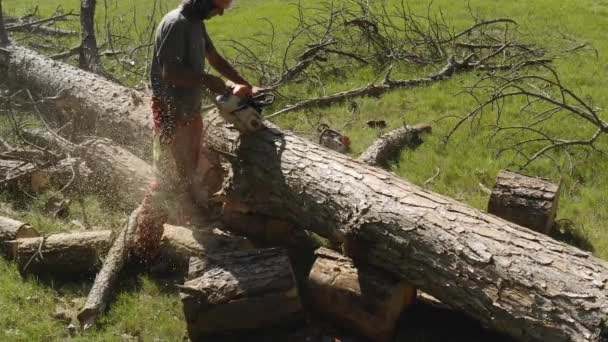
pixel 180 41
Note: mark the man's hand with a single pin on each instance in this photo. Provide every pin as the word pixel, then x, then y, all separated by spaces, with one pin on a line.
pixel 243 89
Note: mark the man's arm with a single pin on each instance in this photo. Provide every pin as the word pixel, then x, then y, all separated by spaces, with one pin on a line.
pixel 222 66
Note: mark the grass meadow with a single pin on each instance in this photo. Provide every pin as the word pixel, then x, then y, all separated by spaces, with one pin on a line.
pixel 150 309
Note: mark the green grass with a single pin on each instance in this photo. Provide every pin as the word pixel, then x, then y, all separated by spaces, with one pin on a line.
pixel 462 164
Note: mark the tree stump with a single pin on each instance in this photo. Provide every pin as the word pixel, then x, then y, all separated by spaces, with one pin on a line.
pixel 528 201
pixel 365 300
pixel 239 291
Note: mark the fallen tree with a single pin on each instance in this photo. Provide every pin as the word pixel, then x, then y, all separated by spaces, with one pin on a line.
pixel 509 278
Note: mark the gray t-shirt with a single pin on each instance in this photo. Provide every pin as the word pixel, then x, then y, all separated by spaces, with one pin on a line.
pixel 179 40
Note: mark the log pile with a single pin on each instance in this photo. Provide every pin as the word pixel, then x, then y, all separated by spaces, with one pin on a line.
pixel 238 291
pixel 507 277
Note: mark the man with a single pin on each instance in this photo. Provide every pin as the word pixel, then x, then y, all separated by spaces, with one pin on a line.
pixel 179 81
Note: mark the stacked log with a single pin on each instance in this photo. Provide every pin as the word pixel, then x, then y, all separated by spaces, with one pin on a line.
pixel 239 291
pixel 528 201
pixel 365 300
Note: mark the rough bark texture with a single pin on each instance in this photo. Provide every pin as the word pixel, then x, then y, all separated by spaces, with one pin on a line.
pixel 390 144
pixel 3 34
pixel 12 229
pixel 106 278
pixel 108 109
pixel 64 254
pixel 507 277
pixel 365 300
pixel 89 56
pixel 528 201
pixel 239 291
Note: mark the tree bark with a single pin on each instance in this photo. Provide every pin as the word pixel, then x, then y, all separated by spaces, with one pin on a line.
pixel 12 229
pixel 528 201
pixel 390 144
pixel 60 254
pixel 239 291
pixel 367 301
pixel 3 34
pixel 89 56
pixel 509 278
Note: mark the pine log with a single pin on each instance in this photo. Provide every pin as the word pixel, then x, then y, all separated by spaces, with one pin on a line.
pixel 239 291
pixel 60 254
pixel 365 300
pixel 105 280
pixel 509 278
pixel 12 229
pixel 116 170
pixel 388 146
pixel 528 201
pixel 12 171
pixel 108 109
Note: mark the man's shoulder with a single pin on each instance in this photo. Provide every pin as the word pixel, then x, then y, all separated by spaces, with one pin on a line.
pixel 174 17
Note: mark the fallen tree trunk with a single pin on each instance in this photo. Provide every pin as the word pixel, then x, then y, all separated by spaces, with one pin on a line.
pixel 118 171
pixel 105 108
pixel 507 277
pixel 390 144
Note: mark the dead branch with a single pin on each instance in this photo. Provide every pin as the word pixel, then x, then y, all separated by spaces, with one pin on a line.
pixel 105 280
pixel 545 99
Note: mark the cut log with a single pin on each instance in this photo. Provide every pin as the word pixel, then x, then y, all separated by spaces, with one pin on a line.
pixel 12 171
pixel 528 201
pixel 12 229
pixel 389 145
pixel 60 254
pixel 105 280
pixel 365 300
pixel 509 278
pixel 239 291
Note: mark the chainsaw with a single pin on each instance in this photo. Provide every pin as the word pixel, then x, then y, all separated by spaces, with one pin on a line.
pixel 245 113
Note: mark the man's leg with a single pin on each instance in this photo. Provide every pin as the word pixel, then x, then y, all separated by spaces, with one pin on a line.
pixel 185 149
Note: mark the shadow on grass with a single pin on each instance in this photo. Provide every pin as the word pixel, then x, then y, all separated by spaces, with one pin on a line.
pixel 566 231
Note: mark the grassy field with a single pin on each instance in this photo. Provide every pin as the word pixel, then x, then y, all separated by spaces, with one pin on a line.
pixel 151 310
